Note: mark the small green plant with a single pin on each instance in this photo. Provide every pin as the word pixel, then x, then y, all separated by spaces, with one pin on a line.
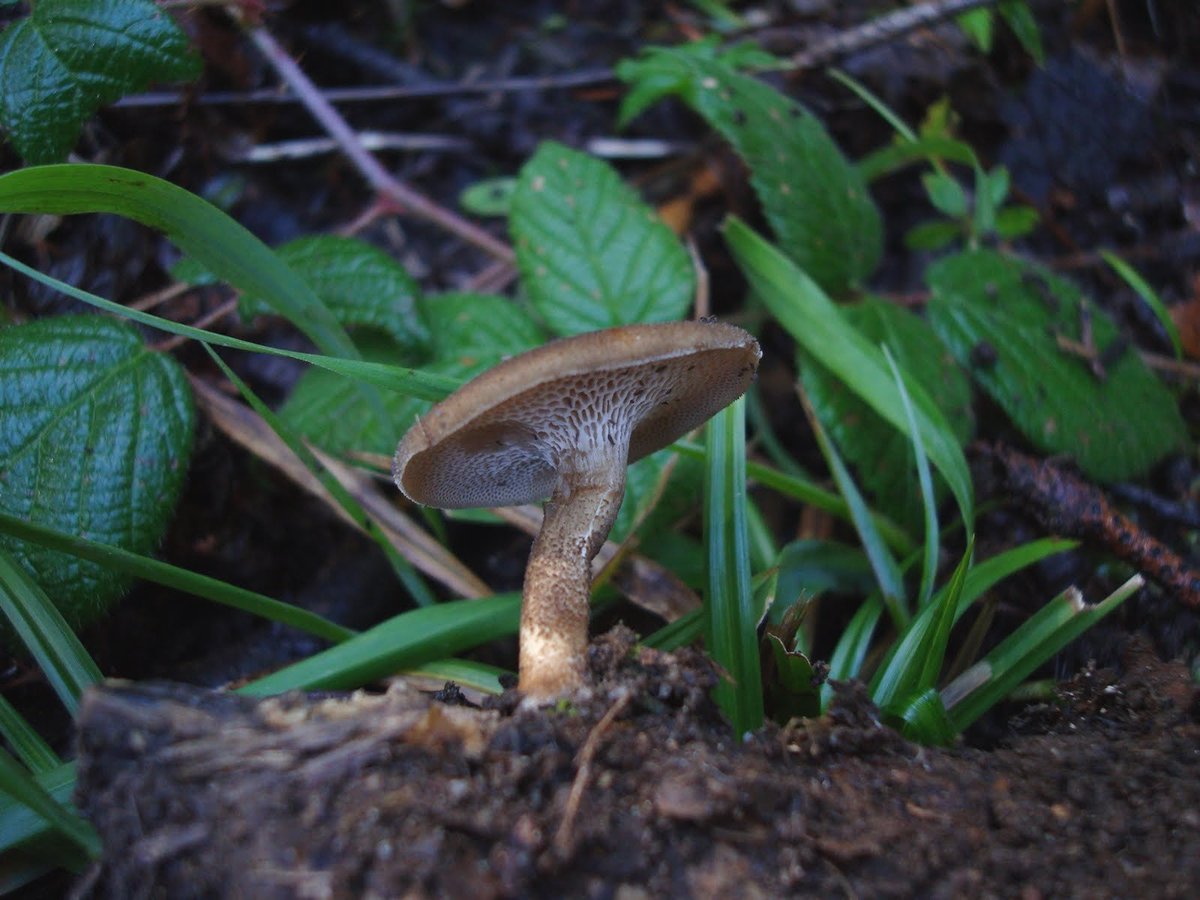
pixel 591 254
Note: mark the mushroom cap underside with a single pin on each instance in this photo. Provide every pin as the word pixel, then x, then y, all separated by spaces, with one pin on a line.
pixel 500 438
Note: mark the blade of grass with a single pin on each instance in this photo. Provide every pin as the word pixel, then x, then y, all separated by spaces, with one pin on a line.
pixel 731 632
pixel 465 673
pixel 31 750
pixel 811 318
pixel 1015 658
pixel 850 652
pixel 807 492
pixel 686 629
pixel 24 789
pixel 402 642
pixel 928 503
pixel 883 564
pixel 19 824
pixel 159 572
pixel 884 111
pixel 1133 278
pixel 45 634
pixel 918 656
pixel 223 246
pixel 409 577
pixel 410 382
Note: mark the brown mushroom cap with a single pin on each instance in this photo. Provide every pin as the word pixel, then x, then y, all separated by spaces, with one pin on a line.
pixel 500 439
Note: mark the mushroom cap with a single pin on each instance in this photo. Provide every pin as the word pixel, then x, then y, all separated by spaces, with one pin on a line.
pixel 500 439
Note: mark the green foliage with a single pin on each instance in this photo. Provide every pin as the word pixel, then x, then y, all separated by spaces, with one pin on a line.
pixel 1001 318
pixel 880 453
pixel 360 284
pixel 809 316
pixel 591 253
pixel 70 57
pixel 464 335
pixel 816 201
pixel 732 615
pixel 95 437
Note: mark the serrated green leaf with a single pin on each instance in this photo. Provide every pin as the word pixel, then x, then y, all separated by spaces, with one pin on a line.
pixel 591 253
pixel 95 436
pixel 70 57
pixel 359 283
pixel 816 201
pixel 468 334
pixel 882 455
pixel 478 329
pixel 795 692
pixel 1114 427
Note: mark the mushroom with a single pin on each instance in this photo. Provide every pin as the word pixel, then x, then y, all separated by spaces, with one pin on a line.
pixel 562 421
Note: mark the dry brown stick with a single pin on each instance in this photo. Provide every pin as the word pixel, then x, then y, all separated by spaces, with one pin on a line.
pixel 883 29
pixel 204 321
pixel 565 834
pixel 245 427
pixel 1066 504
pixel 382 181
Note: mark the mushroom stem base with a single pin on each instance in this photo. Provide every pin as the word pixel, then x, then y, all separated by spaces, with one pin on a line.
pixel 554 607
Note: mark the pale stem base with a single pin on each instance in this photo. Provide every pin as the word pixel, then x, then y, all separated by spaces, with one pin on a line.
pixel 554 606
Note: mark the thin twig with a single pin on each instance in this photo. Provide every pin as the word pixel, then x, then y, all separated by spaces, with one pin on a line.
pixel 375 94
pixel 1167 364
pixel 563 838
pixel 882 30
pixel 205 321
pixel 368 166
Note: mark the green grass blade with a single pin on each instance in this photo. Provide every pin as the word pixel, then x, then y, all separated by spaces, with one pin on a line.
pixel 18 823
pixel 1043 635
pixel 850 653
pixel 197 227
pixel 1133 278
pixel 805 491
pixel 31 750
pixel 928 502
pixel 410 382
pixel 883 564
pixel 465 673
pixel 403 642
pixel 732 616
pixel 45 634
pixel 412 580
pixel 149 569
pixel 884 111
pixel 811 318
pixel 686 629
pixel 25 790
pixel 917 659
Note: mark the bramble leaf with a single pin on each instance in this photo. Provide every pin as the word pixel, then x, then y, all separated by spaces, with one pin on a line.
pixel 70 57
pixel 359 283
pixel 816 201
pixel 95 436
pixel 1002 317
pixel 591 253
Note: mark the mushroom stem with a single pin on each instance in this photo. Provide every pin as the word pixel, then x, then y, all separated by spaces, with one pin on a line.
pixel 554 604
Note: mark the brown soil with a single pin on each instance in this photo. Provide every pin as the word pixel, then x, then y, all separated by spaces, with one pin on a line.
pixel 639 791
